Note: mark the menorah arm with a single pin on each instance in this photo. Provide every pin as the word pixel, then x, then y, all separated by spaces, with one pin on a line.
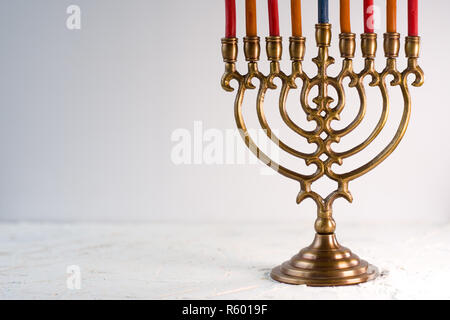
pixel 240 122
pixel 412 48
pixel 400 79
pixel 264 86
pixel 388 149
pixel 297 51
pixel 252 51
pixel 283 108
pixel 337 83
pixel 369 70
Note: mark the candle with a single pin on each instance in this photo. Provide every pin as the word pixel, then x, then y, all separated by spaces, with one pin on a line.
pixel 413 18
pixel 369 21
pixel 274 23
pixel 323 11
pixel 345 16
pixel 230 18
pixel 391 17
pixel 250 13
pixel 296 16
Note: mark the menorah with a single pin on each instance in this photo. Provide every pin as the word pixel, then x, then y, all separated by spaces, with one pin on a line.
pixel 325 262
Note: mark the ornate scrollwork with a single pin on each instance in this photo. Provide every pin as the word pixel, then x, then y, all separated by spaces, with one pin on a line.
pixel 323 135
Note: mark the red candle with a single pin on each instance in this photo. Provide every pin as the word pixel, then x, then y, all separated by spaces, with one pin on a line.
pixel 274 21
pixel 230 18
pixel 413 18
pixel 369 20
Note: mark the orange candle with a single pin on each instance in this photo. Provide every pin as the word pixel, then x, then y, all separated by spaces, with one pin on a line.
pixel 250 15
pixel 345 16
pixel 296 16
pixel 391 17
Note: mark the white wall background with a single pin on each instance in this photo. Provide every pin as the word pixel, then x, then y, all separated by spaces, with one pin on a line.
pixel 87 116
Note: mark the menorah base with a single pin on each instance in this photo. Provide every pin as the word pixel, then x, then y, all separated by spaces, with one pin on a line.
pixel 325 263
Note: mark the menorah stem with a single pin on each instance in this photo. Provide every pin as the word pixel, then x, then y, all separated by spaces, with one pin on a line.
pixel 275 67
pixel 325 262
pixel 297 68
pixel 325 223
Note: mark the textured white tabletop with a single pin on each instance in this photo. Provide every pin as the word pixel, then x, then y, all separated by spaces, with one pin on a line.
pixel 211 261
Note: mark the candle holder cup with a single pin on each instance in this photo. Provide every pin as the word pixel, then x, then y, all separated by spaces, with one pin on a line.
pixel 325 262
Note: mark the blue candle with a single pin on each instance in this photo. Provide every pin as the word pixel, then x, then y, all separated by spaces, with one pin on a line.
pixel 323 11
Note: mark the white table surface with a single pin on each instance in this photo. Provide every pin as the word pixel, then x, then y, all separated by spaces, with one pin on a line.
pixel 211 261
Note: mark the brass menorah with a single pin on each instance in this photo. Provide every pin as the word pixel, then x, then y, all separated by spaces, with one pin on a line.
pixel 324 262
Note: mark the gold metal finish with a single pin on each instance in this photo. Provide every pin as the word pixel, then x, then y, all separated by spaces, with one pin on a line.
pixel 412 47
pixel 274 48
pixel 325 262
pixel 229 49
pixel 297 48
pixel 252 48
pixel 391 44
pixel 323 34
pixel 347 45
pixel 369 45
